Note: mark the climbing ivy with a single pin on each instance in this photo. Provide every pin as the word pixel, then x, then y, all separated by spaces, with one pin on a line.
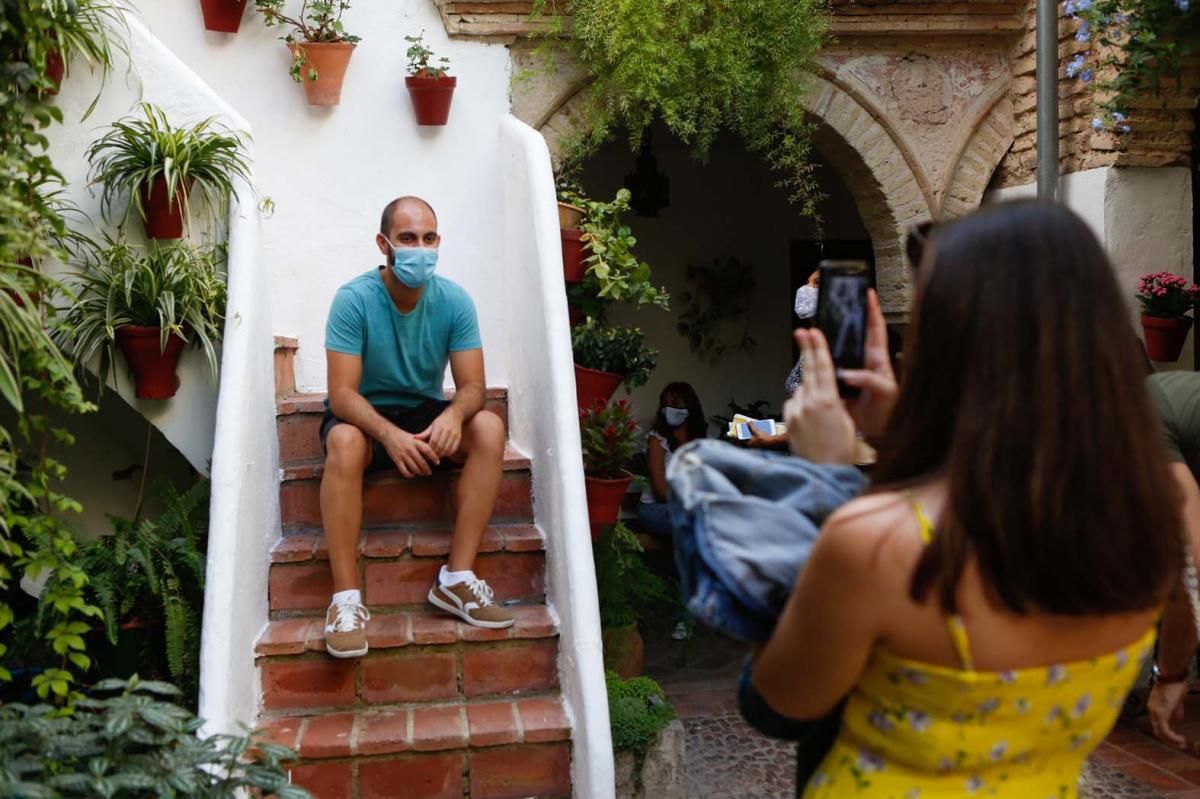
pixel 700 67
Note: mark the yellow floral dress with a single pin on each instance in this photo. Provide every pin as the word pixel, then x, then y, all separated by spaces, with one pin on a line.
pixel 913 730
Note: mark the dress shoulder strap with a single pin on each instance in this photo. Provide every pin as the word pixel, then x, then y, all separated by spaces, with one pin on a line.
pixel 954 623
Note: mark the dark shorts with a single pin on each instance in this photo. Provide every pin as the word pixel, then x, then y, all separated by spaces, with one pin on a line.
pixel 410 420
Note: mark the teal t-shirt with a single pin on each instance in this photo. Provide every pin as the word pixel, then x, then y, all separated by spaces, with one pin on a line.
pixel 404 355
pixel 1176 396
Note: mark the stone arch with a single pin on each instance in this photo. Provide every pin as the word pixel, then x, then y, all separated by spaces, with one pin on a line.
pixel 990 138
pixel 870 159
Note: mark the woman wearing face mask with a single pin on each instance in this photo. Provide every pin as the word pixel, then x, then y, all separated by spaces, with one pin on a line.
pixel 680 419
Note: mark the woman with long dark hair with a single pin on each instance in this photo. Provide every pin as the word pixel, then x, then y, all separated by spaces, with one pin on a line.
pixel 679 419
pixel 984 609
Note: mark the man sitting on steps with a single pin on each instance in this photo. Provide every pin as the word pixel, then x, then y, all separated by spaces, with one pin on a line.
pixel 389 336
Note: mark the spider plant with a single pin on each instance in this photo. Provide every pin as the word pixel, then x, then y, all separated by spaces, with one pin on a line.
pixel 177 287
pixel 136 151
pixel 90 29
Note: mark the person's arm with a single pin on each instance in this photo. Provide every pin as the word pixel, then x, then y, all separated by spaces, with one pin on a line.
pixel 1177 635
pixel 445 433
pixel 412 457
pixel 656 467
pixel 824 637
pixel 760 440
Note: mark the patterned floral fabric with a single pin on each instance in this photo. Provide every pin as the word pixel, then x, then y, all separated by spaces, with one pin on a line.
pixel 914 730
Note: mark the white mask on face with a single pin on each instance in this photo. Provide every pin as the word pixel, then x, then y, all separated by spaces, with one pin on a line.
pixel 675 416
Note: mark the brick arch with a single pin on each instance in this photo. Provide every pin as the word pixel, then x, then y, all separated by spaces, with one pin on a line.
pixel 870 159
pixel 988 141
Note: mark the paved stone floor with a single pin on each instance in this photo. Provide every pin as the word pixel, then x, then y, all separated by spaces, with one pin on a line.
pixel 728 759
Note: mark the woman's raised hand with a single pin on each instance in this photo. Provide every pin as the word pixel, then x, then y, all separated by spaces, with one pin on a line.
pixel 872 408
pixel 818 425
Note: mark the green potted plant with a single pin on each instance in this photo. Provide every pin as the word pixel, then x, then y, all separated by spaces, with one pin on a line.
pixel 69 28
pixel 1166 299
pixel 320 46
pixel 148 578
pixel 628 593
pixel 131 738
pixel 222 16
pixel 156 165
pixel 605 357
pixel 429 87
pixel 609 437
pixel 148 303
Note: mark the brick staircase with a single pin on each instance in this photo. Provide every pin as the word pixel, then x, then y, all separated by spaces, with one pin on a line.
pixel 437 708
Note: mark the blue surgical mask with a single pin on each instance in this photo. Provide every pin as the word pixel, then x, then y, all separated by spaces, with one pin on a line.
pixel 413 266
pixel 675 416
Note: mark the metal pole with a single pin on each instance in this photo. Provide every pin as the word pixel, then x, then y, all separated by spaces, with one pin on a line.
pixel 1047 99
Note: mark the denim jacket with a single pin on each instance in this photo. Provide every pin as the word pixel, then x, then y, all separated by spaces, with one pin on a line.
pixel 745 522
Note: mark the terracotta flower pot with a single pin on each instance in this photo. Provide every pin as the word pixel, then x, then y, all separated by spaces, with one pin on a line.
pixel 163 220
pixel 56 67
pixel 572 254
pixel 153 368
pixel 1165 337
pixel 431 97
pixel 574 315
pixel 569 216
pixel 592 384
pixel 330 60
pixel 624 650
pixel 604 500
pixel 223 16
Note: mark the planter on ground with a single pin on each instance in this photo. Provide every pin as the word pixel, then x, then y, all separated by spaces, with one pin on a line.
pixel 431 96
pixel 604 500
pixel 569 216
pixel 624 650
pixel 223 16
pixel 153 367
pixel 661 775
pixel 330 60
pixel 1165 337
pixel 164 220
pixel 572 255
pixel 591 385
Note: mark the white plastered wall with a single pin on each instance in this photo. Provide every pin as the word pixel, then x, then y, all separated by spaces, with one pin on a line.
pixel 330 171
pixel 1142 215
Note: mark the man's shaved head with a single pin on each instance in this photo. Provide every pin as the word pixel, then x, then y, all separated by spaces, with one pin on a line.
pixel 388 217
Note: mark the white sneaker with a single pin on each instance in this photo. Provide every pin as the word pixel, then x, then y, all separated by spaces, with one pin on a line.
pixel 346 630
pixel 682 631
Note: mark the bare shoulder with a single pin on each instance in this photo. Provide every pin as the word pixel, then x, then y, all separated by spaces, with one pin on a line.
pixel 874 531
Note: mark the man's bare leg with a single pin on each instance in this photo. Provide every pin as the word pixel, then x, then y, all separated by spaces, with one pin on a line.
pixel 347 453
pixel 483 446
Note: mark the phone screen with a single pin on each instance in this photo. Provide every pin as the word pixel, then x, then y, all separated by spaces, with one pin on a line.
pixel 842 314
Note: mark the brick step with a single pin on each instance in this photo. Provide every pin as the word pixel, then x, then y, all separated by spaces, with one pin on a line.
pixel 304 588
pixel 295 636
pixel 538 771
pixel 298 418
pixel 389 499
pixel 301 547
pixel 416 674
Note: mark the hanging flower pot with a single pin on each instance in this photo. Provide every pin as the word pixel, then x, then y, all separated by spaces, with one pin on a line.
pixel 222 16
pixel 164 220
pixel 591 385
pixel 572 254
pixel 1165 337
pixel 604 500
pixel 153 368
pixel 330 60
pixel 569 216
pixel 56 67
pixel 624 650
pixel 431 97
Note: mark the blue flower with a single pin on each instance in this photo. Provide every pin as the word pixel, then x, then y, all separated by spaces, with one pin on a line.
pixel 1075 66
pixel 1124 128
pixel 1097 123
pixel 1118 117
pixel 1087 75
pixel 1084 33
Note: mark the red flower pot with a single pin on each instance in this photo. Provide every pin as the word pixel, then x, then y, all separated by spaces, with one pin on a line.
pixel 574 315
pixel 330 60
pixel 153 368
pixel 624 651
pixel 1165 337
pixel 431 97
pixel 55 69
pixel 163 220
pixel 604 501
pixel 223 16
pixel 572 254
pixel 592 384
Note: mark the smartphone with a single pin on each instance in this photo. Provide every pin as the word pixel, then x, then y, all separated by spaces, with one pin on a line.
pixel 764 426
pixel 842 314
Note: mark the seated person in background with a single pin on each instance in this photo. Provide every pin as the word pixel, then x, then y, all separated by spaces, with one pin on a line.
pixel 680 419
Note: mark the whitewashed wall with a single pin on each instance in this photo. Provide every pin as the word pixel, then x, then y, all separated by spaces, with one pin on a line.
pixel 330 171
pixel 1143 216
